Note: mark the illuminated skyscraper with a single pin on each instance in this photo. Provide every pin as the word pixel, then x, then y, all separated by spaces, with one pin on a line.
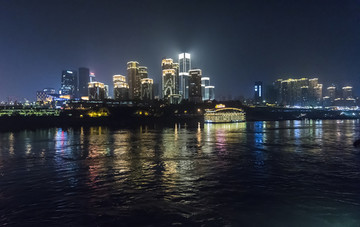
pixel 84 79
pixel 347 92
pixel 205 82
pixel 331 92
pixel 184 67
pixel 132 74
pixel 169 81
pixel 147 89
pixel 121 88
pixel 68 83
pixel 195 85
pixel 96 91
pixel 258 89
pixel 135 74
pixel 211 90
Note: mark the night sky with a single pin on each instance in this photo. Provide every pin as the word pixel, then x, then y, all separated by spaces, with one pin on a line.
pixel 234 42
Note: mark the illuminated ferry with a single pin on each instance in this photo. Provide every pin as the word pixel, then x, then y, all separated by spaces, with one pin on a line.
pixel 224 115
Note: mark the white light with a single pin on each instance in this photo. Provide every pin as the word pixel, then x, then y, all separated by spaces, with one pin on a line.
pixel 69 72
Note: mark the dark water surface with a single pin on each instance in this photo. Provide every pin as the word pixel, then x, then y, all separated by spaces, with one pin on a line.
pixel 289 173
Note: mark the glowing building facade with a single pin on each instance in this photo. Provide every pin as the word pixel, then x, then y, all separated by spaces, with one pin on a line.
pixel 69 83
pixel 135 74
pixel 170 74
pixel 96 91
pixel 258 92
pixel 184 67
pixel 132 73
pixel 121 88
pixel 298 92
pixel 147 92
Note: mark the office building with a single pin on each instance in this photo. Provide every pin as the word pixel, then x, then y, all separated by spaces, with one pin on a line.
pixel 84 79
pixel 331 92
pixel 169 81
pixel 184 67
pixel 298 92
pixel 347 92
pixel 205 81
pixel 132 72
pixel 211 90
pixel 195 85
pixel 258 95
pixel 106 87
pixel 135 74
pixel 147 93
pixel 121 88
pixel 96 91
pixel 69 83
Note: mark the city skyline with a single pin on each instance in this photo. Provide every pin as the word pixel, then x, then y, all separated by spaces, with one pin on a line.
pixel 230 41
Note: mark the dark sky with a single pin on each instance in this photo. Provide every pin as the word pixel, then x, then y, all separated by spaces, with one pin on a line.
pixel 233 42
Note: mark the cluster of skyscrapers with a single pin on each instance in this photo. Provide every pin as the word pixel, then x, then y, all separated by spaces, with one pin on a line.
pixel 303 92
pixel 179 82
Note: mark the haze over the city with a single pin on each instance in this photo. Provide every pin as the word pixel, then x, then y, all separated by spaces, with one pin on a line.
pixel 235 42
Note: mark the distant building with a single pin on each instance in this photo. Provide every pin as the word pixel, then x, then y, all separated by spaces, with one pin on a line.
pixel 184 67
pixel 46 95
pixel 347 92
pixel 132 73
pixel 84 79
pixel 69 83
pixel 121 88
pixel 135 74
pixel 96 91
pixel 211 90
pixel 298 92
pixel 106 87
pixel 169 81
pixel 205 82
pixel 258 92
pixel 49 91
pixel 331 92
pixel 195 85
pixel 147 93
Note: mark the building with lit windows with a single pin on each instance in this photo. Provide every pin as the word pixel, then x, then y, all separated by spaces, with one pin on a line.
pixel 347 92
pixel 121 88
pixel 147 92
pixel 169 81
pixel 135 74
pixel 195 85
pixel 205 82
pixel 211 90
pixel 258 89
pixel 298 92
pixel 96 91
pixel 184 67
pixel 84 79
pixel 68 83
pixel 331 92
pixel 132 74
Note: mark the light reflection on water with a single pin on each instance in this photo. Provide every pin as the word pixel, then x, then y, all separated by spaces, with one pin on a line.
pixel 289 173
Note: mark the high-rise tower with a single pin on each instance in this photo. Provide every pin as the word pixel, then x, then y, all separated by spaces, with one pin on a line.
pixel 84 79
pixel 132 72
pixel 169 81
pixel 121 88
pixel 195 85
pixel 69 83
pixel 184 67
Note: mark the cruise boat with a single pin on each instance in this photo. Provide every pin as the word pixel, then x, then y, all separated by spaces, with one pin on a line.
pixel 221 114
